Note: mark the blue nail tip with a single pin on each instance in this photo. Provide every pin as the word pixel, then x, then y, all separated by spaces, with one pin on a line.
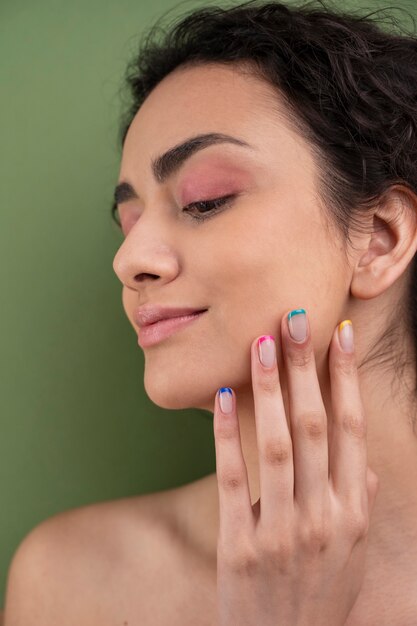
pixel 225 390
pixel 295 312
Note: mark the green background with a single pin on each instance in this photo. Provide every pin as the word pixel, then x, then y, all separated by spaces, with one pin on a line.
pixel 76 424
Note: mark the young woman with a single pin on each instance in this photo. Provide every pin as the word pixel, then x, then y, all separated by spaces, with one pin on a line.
pixel 268 200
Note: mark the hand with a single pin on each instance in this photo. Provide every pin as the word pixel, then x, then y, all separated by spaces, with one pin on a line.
pixel 296 557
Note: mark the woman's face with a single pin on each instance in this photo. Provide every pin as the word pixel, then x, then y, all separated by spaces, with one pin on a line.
pixel 266 251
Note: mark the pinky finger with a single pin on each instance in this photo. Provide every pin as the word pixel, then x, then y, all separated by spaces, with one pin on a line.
pixel 235 508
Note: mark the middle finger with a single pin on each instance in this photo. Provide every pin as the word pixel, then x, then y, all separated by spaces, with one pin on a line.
pixel 307 412
pixel 276 470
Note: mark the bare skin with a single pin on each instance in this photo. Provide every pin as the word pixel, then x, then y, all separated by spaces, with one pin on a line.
pixel 154 557
pixel 150 564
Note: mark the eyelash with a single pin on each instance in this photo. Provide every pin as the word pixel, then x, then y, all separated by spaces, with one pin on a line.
pixel 216 203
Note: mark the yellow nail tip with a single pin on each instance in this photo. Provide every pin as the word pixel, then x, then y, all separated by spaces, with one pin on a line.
pixel 343 324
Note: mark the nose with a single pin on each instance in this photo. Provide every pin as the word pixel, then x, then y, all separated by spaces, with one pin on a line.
pixel 145 256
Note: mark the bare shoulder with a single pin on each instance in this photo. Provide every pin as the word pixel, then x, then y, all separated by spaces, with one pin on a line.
pixel 103 563
pixel 70 557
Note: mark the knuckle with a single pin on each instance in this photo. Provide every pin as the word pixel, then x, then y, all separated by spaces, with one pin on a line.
pixel 345 364
pixel 225 431
pixel 357 524
pixel 313 425
pixel 242 560
pixel 230 479
pixel 354 424
pixel 268 382
pixel 315 536
pixel 301 358
pixel 277 452
pixel 277 551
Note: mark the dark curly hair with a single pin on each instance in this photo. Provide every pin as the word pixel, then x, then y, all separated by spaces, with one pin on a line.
pixel 349 86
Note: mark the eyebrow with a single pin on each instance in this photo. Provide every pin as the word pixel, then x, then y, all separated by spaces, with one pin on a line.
pixel 168 163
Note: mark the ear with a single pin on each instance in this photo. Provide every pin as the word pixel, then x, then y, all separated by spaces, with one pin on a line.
pixel 384 254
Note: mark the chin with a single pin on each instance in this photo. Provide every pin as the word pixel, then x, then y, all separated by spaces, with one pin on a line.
pixel 178 393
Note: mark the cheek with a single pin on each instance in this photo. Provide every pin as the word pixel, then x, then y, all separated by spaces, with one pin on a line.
pixel 267 264
pixel 246 268
pixel 253 249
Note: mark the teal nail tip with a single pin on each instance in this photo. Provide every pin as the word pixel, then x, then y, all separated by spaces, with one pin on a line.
pixel 295 312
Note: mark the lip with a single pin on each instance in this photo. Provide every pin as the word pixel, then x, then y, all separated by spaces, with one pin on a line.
pixel 151 334
pixel 149 314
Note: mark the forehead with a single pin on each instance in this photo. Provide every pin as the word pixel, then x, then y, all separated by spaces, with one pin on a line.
pixel 206 98
pixel 213 98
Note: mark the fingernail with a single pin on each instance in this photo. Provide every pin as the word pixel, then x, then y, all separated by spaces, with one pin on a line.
pixel 266 350
pixel 226 399
pixel 346 335
pixel 297 324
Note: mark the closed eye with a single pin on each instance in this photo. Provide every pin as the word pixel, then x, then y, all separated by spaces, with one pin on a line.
pixel 211 206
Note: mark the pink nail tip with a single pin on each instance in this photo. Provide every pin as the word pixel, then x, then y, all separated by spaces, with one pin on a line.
pixel 265 337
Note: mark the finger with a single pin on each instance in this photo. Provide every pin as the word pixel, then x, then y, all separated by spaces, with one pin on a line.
pixel 348 451
pixel 276 471
pixel 235 509
pixel 307 413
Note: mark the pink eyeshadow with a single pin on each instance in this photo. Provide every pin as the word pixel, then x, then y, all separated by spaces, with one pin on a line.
pixel 212 181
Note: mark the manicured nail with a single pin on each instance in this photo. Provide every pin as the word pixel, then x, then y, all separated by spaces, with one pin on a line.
pixel 297 324
pixel 346 335
pixel 266 350
pixel 226 399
